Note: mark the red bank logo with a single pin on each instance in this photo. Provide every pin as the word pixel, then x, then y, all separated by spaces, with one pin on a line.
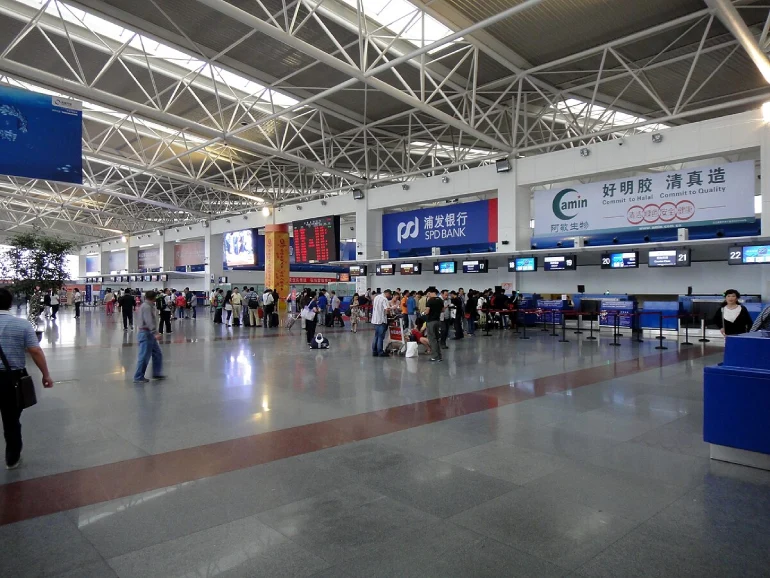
pixel 667 212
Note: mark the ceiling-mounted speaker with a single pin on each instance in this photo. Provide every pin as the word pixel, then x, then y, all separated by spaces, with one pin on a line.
pixel 358 194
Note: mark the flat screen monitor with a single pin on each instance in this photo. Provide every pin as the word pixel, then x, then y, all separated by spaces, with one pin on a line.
pixel 560 263
pixel 239 248
pixel 358 270
pixel 164 277
pixel 445 267
pixel 100 279
pixel 749 255
pixel 155 278
pixel 344 278
pixel 385 269
pixel 669 258
pixel 147 278
pixel 410 268
pixel 480 266
pixel 522 264
pixel 222 280
pixel 628 260
pixel 317 240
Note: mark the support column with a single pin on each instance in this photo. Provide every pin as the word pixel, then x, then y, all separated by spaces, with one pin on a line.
pixel 277 259
pixel 368 231
pixel 764 187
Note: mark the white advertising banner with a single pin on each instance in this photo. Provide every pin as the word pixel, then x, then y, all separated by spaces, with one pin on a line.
pixel 717 195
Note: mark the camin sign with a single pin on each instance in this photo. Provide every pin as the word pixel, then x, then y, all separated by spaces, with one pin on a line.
pixel 701 196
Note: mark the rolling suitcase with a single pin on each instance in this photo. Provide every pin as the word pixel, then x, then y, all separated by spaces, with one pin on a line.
pixel 291 320
pixel 275 320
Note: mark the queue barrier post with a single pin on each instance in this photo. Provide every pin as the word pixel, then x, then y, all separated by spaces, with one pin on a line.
pixel 545 323
pixel 553 323
pixel 591 332
pixel 686 330
pixel 639 329
pixel 579 331
pixel 524 326
pixel 660 336
pixel 486 325
pixel 615 330
pixel 703 329
pixel 563 328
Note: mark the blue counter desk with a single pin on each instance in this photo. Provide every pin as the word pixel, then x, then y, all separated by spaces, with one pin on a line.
pixel 736 401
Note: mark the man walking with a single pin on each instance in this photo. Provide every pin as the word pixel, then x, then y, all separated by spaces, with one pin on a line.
pixel 126 303
pixel 336 313
pixel 148 343
pixel 434 308
pixel 323 304
pixel 380 308
pixel 16 337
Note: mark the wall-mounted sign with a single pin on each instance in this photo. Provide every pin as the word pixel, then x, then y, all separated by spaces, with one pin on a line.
pixel 718 195
pixel 450 225
pixel 189 253
pixel 149 258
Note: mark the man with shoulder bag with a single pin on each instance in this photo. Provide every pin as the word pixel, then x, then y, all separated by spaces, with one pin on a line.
pixel 17 391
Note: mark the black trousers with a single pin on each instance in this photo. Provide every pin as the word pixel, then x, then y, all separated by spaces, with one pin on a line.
pixel 11 415
pixel 445 324
pixel 458 321
pixel 165 317
pixel 268 313
pixel 77 309
pixel 128 317
pixel 54 311
pixel 310 329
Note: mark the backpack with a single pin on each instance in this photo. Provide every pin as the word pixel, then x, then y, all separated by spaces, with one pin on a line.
pixel 160 302
pixel 253 301
pixel 181 301
pixel 320 342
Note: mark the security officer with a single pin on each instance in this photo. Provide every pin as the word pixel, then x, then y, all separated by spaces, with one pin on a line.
pixel 16 337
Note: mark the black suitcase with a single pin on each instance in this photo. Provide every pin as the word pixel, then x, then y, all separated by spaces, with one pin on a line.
pixel 275 320
pixel 246 319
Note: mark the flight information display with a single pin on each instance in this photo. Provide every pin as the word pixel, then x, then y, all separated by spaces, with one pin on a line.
pixel 445 267
pixel 317 240
pixel 620 260
pixel 669 258
pixel 749 255
pixel 481 266
pixel 386 269
pixel 358 270
pixel 522 265
pixel 410 268
pixel 560 263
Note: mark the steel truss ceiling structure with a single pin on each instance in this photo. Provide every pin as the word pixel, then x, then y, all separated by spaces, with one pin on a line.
pixel 201 108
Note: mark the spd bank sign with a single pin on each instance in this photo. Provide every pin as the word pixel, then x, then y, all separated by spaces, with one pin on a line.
pixel 716 195
pixel 460 224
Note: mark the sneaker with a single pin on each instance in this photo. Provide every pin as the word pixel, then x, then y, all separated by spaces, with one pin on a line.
pixel 143 380
pixel 436 359
pixel 159 377
pixel 14 465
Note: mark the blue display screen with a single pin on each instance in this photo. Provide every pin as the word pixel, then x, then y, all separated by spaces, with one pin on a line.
pixel 523 264
pixel 445 267
pixel 628 260
pixel 756 254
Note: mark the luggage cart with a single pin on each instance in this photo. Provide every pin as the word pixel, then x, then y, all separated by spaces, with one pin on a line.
pixel 398 335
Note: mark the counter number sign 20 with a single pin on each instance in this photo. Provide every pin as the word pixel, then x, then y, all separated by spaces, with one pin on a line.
pixel 606 261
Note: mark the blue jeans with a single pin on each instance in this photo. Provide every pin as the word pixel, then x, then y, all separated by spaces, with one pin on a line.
pixel 379 338
pixel 148 348
pixel 472 324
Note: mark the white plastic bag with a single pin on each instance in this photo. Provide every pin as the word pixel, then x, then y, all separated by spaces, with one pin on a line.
pixel 411 349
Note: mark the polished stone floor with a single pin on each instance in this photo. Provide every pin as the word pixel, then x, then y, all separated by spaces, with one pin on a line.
pixel 259 457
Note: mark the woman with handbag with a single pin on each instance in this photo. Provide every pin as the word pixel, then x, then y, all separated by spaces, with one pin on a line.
pixel 17 392
pixel 310 315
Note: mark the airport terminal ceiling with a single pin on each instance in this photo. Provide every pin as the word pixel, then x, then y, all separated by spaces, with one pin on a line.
pixel 194 109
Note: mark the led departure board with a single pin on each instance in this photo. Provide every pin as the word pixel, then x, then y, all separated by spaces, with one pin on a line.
pixel 669 258
pixel 358 270
pixel 560 263
pixel 317 240
pixel 385 269
pixel 629 260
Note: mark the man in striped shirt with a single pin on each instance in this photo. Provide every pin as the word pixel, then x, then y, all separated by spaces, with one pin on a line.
pixel 763 321
pixel 17 337
pixel 147 323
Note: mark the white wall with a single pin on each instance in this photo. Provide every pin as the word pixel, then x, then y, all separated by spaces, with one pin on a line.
pixel 450 282
pixel 705 277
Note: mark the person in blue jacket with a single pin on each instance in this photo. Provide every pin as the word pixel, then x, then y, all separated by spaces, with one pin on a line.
pixel 323 302
pixel 411 310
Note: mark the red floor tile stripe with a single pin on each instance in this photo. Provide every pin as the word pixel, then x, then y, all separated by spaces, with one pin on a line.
pixel 56 493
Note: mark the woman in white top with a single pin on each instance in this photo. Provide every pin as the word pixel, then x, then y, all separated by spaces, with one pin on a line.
pixel 732 317
pixel 54 304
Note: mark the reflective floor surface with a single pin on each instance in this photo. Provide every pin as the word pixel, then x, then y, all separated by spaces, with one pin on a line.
pixel 259 457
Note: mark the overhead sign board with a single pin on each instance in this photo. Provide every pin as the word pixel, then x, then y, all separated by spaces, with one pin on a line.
pixel 446 226
pixel 717 195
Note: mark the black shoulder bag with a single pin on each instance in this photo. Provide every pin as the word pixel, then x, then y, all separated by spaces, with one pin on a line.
pixel 24 386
